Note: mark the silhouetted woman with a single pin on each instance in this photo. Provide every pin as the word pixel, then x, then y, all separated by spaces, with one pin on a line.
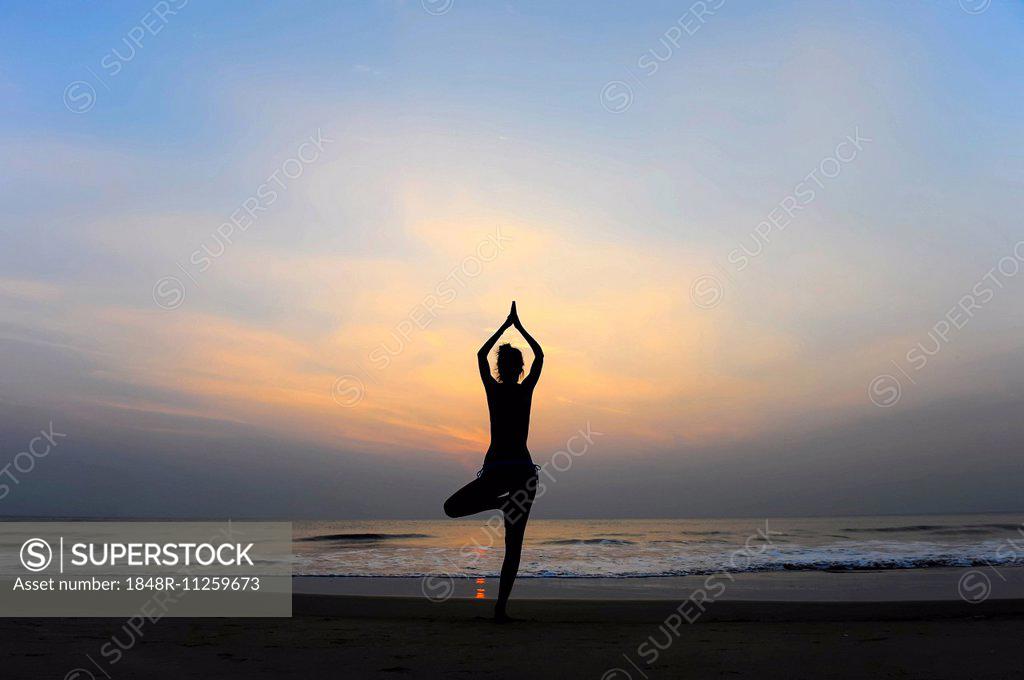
pixel 508 480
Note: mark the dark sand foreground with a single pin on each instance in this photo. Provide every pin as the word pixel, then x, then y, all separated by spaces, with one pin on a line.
pixel 368 637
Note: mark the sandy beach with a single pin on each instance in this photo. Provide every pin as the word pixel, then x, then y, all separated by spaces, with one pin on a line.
pixel 357 637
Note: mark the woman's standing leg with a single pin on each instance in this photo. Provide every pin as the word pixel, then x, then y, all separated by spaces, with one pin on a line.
pixel 516 509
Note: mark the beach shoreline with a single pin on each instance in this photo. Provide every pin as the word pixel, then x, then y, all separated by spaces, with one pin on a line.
pixel 970 584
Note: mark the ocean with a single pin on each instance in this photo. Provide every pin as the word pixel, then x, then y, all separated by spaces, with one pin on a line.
pixel 632 548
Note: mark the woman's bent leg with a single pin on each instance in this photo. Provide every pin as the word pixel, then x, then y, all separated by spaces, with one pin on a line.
pixel 477 496
pixel 516 508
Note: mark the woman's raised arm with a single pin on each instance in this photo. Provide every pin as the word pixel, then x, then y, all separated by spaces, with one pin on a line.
pixel 481 355
pixel 538 353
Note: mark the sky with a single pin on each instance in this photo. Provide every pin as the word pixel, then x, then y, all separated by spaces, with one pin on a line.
pixel 772 250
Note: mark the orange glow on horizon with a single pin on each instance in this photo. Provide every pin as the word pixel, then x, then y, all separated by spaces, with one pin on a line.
pixel 625 349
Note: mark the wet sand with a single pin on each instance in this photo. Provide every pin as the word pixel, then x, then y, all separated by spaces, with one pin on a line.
pixel 387 637
pixel 776 586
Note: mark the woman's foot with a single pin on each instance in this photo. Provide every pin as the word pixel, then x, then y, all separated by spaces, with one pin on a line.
pixel 501 616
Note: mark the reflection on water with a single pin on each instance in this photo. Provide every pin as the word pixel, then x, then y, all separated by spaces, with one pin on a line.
pixel 481 592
